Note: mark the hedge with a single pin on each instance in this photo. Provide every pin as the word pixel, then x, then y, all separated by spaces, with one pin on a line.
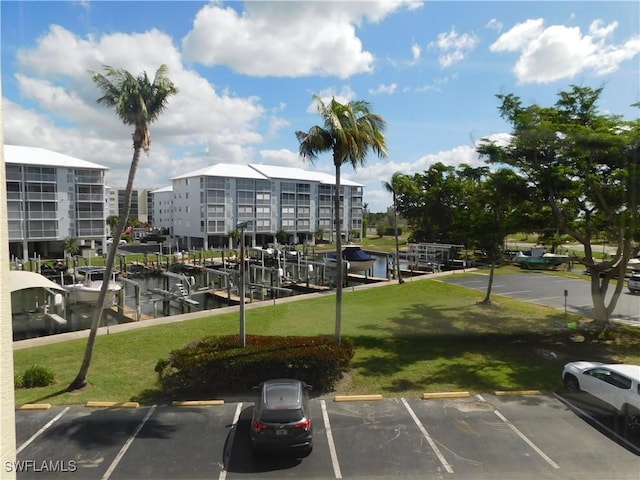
pixel 217 364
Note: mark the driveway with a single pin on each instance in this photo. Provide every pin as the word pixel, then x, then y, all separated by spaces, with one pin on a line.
pixel 552 290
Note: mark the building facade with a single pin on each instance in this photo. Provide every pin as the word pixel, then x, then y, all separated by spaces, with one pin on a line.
pixel 208 204
pixel 141 203
pixel 50 197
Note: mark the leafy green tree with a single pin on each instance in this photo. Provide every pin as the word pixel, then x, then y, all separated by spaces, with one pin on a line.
pixel 350 131
pixel 71 246
pixel 494 205
pixel 281 236
pixel 138 101
pixel 583 167
pixel 398 180
pixel 112 221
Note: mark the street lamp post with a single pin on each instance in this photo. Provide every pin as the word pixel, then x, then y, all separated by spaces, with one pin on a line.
pixel 243 339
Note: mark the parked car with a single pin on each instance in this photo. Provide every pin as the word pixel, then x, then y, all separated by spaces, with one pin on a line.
pixel 617 385
pixel 281 417
pixel 121 242
pixel 152 237
pixel 634 282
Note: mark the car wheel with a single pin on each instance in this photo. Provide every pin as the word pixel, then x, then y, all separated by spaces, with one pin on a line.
pixel 631 419
pixel 571 383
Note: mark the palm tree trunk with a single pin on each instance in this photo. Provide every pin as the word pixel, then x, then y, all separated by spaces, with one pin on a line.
pixel 81 378
pixel 338 230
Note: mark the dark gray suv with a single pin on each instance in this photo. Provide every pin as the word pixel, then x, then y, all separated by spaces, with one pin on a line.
pixel 281 418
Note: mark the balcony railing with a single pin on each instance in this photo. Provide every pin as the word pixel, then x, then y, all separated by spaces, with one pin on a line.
pixel 50 196
pixel 90 197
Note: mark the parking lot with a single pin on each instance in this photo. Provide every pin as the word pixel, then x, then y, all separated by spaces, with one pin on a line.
pixel 478 437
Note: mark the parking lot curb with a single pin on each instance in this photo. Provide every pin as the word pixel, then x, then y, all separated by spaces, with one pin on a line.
pixel 428 396
pixel 502 393
pixel 112 404
pixel 196 403
pixel 35 406
pixel 356 398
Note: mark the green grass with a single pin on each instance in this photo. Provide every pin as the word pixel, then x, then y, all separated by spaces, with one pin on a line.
pixel 422 336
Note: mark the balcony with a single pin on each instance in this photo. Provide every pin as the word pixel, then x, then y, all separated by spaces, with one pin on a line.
pixel 90 197
pixel 39 196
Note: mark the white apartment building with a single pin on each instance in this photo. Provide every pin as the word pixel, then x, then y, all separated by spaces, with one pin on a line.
pixel 162 211
pixel 140 207
pixel 52 196
pixel 209 203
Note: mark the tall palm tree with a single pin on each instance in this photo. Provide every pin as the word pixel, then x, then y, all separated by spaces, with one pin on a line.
pixel 394 187
pixel 350 131
pixel 138 102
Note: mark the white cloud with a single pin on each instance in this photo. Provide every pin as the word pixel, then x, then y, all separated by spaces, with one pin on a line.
pixel 345 95
pixel 54 79
pixel 559 52
pixel 288 39
pixel 416 51
pixel 494 24
pixel 382 88
pixel 453 47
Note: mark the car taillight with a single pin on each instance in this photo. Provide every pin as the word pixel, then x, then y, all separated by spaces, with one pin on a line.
pixel 303 424
pixel 258 427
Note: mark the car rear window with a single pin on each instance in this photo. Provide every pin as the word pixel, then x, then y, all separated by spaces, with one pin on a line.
pixel 282 416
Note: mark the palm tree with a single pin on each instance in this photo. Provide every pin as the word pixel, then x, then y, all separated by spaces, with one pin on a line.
pixel 350 131
pixel 71 246
pixel 138 102
pixel 394 187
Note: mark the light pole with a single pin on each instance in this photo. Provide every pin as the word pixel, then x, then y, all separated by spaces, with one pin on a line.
pixel 243 339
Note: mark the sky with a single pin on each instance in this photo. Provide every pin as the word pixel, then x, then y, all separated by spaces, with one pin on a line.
pixel 247 73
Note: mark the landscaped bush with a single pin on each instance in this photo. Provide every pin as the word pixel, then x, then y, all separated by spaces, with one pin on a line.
pixel 35 376
pixel 215 365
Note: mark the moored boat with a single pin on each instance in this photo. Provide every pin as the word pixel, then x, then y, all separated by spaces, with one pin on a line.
pixel 356 258
pixel 88 290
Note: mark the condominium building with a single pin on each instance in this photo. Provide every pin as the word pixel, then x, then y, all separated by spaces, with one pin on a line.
pixel 52 196
pixel 140 208
pixel 208 204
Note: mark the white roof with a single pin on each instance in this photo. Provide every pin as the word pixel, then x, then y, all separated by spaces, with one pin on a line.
pixel 41 156
pixel 231 170
pixel 294 173
pixel 21 280
pixel 163 189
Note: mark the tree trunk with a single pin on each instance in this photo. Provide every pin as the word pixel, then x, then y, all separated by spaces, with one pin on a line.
pixel 338 230
pixel 487 297
pixel 81 378
pixel 395 226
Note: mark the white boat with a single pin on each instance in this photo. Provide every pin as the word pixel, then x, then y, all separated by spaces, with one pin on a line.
pixel 357 260
pixel 88 290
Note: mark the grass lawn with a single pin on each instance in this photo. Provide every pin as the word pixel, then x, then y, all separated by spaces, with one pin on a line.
pixel 422 336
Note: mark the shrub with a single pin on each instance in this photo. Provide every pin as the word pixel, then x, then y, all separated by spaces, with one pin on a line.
pixel 37 376
pixel 216 365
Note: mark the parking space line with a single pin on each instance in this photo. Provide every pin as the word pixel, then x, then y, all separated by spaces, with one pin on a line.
pixel 426 435
pixel 127 444
pixel 332 447
pixel 513 292
pixel 579 410
pixel 542 298
pixel 524 438
pixel 39 432
pixel 232 434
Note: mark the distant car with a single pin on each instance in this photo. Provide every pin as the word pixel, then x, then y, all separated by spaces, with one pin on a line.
pixel 152 237
pixel 618 385
pixel 110 242
pixel 634 282
pixel 281 417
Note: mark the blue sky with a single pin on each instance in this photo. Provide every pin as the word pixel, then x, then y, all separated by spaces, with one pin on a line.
pixel 247 72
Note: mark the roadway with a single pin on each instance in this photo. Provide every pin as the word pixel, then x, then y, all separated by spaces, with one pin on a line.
pixel 546 289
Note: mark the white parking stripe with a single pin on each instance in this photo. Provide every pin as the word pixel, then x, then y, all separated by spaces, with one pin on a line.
pixel 433 445
pixel 513 293
pixel 232 434
pixel 542 298
pixel 39 432
pixel 535 448
pixel 127 444
pixel 332 446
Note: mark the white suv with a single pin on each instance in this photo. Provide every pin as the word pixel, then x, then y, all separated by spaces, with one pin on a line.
pixel 615 384
pixel 634 282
